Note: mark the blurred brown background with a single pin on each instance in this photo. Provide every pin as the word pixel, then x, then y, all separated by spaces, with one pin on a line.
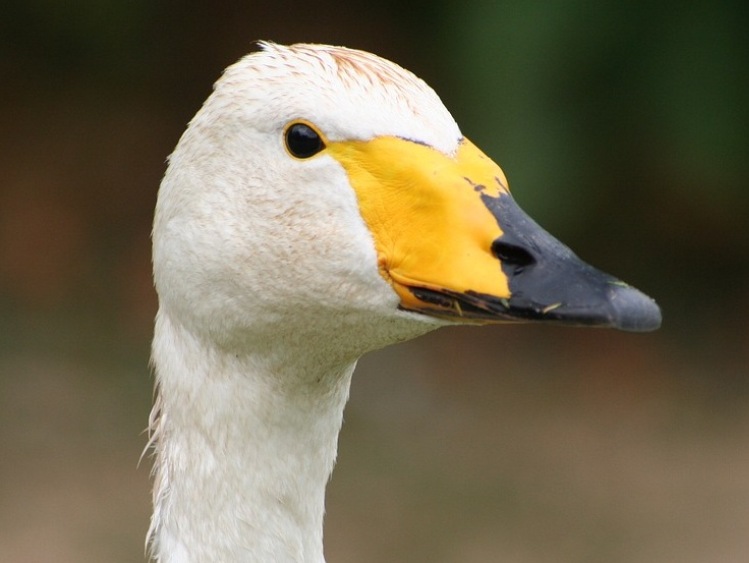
pixel 623 128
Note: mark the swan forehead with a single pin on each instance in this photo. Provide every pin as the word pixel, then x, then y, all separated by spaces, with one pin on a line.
pixel 348 94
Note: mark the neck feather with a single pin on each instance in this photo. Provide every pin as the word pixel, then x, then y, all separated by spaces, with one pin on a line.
pixel 243 450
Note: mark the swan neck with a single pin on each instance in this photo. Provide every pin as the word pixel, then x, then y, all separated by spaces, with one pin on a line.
pixel 244 447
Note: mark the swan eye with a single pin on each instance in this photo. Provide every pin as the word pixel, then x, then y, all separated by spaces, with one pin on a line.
pixel 302 141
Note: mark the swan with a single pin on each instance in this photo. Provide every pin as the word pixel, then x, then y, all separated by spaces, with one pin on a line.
pixel 321 204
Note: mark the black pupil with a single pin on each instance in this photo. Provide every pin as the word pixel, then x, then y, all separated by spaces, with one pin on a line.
pixel 303 141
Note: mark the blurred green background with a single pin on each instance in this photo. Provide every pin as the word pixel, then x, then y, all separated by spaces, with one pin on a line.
pixel 623 128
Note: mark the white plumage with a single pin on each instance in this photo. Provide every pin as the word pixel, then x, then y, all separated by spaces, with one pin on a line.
pixel 271 284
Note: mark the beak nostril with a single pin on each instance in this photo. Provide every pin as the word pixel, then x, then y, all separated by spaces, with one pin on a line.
pixel 511 254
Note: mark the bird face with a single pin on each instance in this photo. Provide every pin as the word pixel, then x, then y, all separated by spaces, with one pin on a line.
pixel 321 182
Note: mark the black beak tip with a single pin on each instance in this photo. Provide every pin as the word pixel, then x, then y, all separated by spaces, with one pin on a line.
pixel 632 310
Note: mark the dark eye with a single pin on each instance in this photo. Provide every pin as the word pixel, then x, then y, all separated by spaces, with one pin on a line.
pixel 302 141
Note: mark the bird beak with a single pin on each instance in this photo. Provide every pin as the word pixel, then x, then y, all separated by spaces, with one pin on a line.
pixel 453 243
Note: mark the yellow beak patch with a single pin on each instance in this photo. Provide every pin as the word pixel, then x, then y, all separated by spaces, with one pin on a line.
pixel 431 229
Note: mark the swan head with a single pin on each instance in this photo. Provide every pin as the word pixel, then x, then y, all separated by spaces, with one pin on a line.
pixel 323 190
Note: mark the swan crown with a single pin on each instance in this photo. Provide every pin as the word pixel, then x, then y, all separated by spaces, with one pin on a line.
pixel 353 94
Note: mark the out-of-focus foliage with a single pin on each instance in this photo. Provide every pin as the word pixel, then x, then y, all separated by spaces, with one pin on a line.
pixel 587 80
